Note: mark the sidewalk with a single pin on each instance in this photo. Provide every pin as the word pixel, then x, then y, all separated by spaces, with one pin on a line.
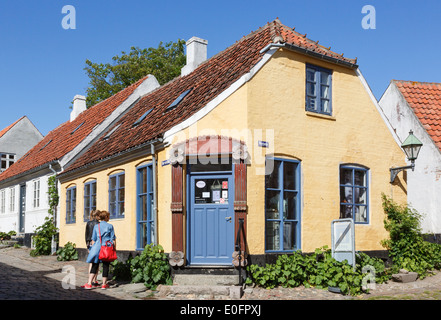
pixel 23 277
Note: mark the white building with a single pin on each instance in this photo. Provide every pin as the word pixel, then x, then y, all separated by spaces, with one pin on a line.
pixel 24 185
pixel 410 105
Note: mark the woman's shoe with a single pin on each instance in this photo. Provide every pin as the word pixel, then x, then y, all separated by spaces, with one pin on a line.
pixel 87 286
pixel 95 284
pixel 105 286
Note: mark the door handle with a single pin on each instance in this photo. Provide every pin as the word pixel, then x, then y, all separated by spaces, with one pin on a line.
pixel 228 218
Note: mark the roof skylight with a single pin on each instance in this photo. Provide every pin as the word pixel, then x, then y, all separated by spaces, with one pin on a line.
pixel 178 100
pixel 142 117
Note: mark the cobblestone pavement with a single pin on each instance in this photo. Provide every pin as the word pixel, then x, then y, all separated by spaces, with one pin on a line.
pixel 23 277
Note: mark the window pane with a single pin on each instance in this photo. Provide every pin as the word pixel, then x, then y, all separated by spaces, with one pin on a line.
pixel 360 178
pixel 310 89
pixel 93 188
pixel 346 195
pixel 143 182
pixel 121 180
pixel 310 75
pixel 112 183
pixel 143 200
pixel 324 93
pixel 121 208
pixel 112 209
pixel 288 236
pixel 325 78
pixel 272 200
pixel 289 205
pixel 325 106
pixel 346 176
pixel 311 104
pixel 272 179
pixel 360 195
pixel 272 241
pixel 289 170
pixel 87 190
pixel 346 211
pixel 112 196
pixel 360 214
pixel 121 194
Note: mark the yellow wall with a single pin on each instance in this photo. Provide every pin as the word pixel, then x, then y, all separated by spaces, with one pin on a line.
pixel 271 107
pixel 322 144
pixel 124 228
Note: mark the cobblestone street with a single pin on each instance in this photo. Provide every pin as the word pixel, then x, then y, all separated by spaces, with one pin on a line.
pixel 23 277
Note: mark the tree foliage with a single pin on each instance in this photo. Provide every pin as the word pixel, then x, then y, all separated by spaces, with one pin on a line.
pixel 106 79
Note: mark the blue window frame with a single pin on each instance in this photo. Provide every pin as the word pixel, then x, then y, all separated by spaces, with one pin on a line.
pixel 71 204
pixel 282 205
pixel 144 204
pixel 116 195
pixel 89 198
pixel 318 90
pixel 354 193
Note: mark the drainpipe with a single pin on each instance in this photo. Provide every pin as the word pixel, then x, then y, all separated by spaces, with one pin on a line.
pixel 154 213
pixel 53 243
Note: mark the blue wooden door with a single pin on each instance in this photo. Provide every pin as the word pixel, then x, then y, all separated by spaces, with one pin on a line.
pixel 211 219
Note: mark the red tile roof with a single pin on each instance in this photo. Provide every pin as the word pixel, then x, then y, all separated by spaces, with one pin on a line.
pixel 61 140
pixel 425 100
pixel 209 80
pixel 2 132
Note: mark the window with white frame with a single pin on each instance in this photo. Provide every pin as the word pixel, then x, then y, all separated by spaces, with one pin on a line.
pixel 6 160
pixel 2 201
pixel 12 199
pixel 36 202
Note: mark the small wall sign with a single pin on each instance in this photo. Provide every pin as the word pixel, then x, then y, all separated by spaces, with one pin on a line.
pixel 263 144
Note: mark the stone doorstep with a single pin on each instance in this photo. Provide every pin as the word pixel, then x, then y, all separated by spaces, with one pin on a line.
pixel 234 292
pixel 205 280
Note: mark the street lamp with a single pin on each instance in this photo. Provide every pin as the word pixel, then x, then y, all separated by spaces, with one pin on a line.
pixel 411 147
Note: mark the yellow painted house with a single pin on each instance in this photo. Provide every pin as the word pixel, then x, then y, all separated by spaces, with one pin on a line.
pixel 276 133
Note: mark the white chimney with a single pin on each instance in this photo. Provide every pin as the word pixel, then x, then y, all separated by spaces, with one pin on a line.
pixel 79 105
pixel 196 54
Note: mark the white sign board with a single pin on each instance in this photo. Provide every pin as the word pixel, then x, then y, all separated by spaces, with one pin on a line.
pixel 343 240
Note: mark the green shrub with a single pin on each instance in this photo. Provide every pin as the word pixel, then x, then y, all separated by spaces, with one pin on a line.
pixel 318 270
pixel 406 244
pixel 43 238
pixel 68 252
pixel 121 270
pixel 7 236
pixel 151 267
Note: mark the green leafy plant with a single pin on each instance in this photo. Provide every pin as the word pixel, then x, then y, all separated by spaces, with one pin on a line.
pixel 121 270
pixel 151 267
pixel 47 231
pixel 406 244
pixel 7 236
pixel 68 252
pixel 318 270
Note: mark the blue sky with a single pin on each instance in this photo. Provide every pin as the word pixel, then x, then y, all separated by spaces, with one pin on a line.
pixel 42 64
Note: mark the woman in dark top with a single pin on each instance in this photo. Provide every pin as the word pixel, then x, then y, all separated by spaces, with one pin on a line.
pixel 93 220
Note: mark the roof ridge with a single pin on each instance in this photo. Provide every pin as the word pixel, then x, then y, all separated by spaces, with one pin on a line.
pixel 414 82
